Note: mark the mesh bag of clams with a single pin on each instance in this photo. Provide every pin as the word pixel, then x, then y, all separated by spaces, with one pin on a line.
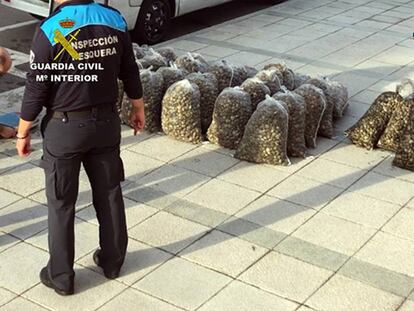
pixel 340 94
pixel 232 111
pixel 152 84
pixel 296 143
pixel 192 63
pixel 239 75
pixel 140 51
pixel 251 71
pixel 181 112
pixel 404 157
pixel 208 86
pixel 300 79
pixel 266 134
pixel 152 60
pixel 257 90
pixel 368 130
pixel 326 128
pixel 315 106
pixel 390 139
pixel 287 75
pixel 171 75
pixel 168 53
pixel 223 73
pixel 271 78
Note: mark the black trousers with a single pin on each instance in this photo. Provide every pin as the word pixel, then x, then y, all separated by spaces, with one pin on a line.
pixel 93 141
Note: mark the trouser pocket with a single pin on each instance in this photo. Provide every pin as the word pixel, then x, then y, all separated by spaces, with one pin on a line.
pixel 62 179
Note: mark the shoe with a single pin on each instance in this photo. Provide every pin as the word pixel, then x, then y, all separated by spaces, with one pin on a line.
pixel 108 274
pixel 45 279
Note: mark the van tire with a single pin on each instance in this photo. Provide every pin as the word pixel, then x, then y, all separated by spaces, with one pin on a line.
pixel 153 21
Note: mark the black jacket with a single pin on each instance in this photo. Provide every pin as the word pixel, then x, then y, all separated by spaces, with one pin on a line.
pixel 98 51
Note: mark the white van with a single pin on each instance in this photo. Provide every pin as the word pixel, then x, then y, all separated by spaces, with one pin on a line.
pixel 149 20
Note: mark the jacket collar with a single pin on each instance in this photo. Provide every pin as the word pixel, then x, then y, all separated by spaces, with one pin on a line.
pixel 73 2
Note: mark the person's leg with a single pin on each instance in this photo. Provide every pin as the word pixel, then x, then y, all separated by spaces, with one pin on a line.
pixel 63 146
pixel 7 132
pixel 61 191
pixel 104 168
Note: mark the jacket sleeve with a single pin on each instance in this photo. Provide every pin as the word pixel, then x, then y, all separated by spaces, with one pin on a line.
pixel 38 86
pixel 129 73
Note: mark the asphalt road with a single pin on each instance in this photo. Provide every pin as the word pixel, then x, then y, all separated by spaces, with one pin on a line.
pixel 20 38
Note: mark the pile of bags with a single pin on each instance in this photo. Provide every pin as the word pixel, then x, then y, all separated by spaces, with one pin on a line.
pixel 389 125
pixel 266 116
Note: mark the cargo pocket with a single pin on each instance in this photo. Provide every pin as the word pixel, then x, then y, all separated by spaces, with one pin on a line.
pixel 50 178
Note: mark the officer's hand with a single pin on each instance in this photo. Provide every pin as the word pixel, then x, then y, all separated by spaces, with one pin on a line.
pixel 23 147
pixel 138 116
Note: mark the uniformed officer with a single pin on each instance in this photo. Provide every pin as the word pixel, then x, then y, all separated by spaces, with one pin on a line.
pixel 77 55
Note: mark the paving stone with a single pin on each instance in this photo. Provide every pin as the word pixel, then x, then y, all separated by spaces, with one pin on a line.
pixel 162 148
pixel 23 218
pixel 148 195
pixel 25 269
pixel 135 213
pixel 322 170
pixel 305 192
pixel 384 188
pixel 216 35
pixel 361 209
pixel 402 224
pixel 7 241
pixel 172 233
pixel 366 96
pixel 386 168
pixel 334 234
pixel 276 214
pixel 128 139
pixel 240 296
pixel 136 166
pixel 223 252
pixel 378 277
pixel 356 109
pixel 8 163
pixel 128 299
pixel 174 180
pixel 322 146
pixel 246 58
pixel 285 276
pixel 398 55
pixel 251 232
pixel 354 156
pixel 6 296
pixel 217 148
pixel 183 283
pixel 17 176
pixel 217 51
pixel 197 213
pixel 86 238
pixel 311 253
pixel 390 252
pixel 91 291
pixel 188 45
pixel 21 304
pixel 253 176
pixel 7 198
pixel 222 196
pixel 355 83
pixel 407 306
pixel 140 260
pixel 342 293
pixel 205 162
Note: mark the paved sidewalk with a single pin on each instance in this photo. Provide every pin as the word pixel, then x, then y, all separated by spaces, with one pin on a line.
pixel 334 231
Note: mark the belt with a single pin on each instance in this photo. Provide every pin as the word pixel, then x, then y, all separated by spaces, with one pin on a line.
pixel 88 112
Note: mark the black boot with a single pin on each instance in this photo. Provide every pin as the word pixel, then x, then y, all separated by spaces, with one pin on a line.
pixel 45 279
pixel 108 274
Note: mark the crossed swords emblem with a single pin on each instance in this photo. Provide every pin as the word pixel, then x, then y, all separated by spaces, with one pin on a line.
pixel 66 46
